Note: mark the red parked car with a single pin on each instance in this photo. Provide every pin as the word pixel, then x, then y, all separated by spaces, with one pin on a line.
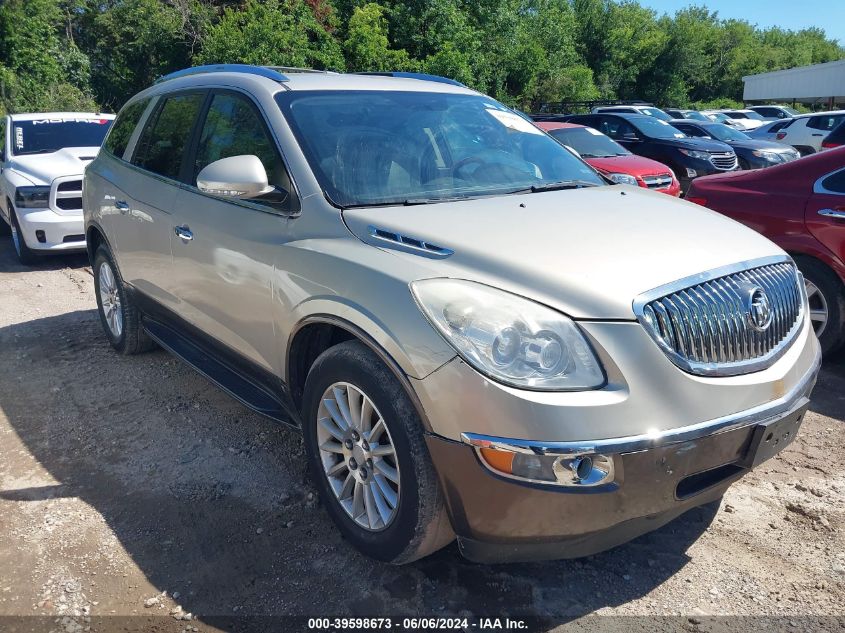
pixel 611 159
pixel 801 207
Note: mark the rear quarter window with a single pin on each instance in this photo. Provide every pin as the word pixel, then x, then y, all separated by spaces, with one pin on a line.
pixel 825 123
pixel 125 123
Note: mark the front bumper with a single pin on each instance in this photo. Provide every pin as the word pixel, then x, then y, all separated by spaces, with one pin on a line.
pixel 656 478
pixel 61 233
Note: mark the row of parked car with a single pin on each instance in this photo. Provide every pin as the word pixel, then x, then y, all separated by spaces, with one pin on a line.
pixel 471 325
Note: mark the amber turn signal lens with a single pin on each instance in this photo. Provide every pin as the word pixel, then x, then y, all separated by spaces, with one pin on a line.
pixel 498 460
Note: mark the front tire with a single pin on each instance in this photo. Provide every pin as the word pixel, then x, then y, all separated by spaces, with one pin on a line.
pixel 826 296
pixel 26 255
pixel 368 459
pixel 119 315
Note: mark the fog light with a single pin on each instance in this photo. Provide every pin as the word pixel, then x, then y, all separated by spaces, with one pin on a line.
pixel 39 235
pixel 691 173
pixel 562 470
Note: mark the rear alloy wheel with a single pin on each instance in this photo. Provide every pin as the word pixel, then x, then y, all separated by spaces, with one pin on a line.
pixel 819 311
pixel 119 315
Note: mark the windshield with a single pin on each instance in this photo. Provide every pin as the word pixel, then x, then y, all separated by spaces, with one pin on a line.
pixel 43 136
pixel 655 128
pixel 695 115
pixel 718 116
pixel 656 113
pixel 790 111
pixel 378 148
pixel 588 142
pixel 724 133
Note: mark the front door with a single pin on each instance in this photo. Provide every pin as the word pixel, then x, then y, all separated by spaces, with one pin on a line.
pixel 223 248
pixel 825 213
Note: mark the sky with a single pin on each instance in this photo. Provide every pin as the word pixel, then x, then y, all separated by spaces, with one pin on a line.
pixel 787 14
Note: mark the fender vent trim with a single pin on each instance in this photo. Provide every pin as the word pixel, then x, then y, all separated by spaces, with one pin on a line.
pixel 410 244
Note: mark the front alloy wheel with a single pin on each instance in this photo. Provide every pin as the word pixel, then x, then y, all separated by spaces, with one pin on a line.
pixel 358 456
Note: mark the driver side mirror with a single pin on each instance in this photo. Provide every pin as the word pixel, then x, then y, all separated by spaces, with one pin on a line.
pixel 235 177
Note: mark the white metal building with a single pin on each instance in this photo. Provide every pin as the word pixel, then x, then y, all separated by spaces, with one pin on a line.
pixel 819 83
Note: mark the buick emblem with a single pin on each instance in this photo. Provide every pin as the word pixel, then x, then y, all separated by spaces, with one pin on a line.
pixel 759 309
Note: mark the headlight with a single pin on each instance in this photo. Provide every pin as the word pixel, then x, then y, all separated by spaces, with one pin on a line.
pixel 32 197
pixel 623 179
pixel 509 339
pixel 772 157
pixel 692 153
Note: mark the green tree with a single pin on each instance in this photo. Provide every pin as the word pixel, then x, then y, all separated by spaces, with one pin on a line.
pixel 274 32
pixel 367 46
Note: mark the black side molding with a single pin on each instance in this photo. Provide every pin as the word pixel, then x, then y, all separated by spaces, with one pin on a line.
pixel 225 375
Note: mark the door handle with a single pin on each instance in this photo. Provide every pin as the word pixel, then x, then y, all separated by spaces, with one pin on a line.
pixel 121 206
pixel 184 233
pixel 818 134
pixel 832 213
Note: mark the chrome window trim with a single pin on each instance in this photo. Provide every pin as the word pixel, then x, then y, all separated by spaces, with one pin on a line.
pixel 818 187
pixel 796 398
pixel 733 368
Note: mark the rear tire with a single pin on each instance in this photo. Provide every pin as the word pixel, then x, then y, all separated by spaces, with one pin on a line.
pixel 26 255
pixel 415 524
pixel 119 315
pixel 826 295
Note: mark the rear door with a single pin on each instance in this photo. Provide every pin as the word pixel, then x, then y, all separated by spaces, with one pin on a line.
pixel 148 196
pixel 224 256
pixel 820 126
pixel 825 212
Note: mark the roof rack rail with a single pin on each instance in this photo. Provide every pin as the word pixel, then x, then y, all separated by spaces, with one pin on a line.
pixel 261 71
pixel 294 69
pixel 420 76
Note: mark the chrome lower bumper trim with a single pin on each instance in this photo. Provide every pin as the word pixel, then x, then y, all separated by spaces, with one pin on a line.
pixel 795 399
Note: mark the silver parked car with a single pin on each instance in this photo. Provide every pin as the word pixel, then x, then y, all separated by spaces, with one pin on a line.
pixel 471 328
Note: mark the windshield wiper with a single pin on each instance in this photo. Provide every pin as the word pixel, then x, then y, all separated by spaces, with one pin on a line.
pixel 36 151
pixel 559 185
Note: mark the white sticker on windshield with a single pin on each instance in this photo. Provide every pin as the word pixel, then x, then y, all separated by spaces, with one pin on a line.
pixel 682 135
pixel 18 137
pixel 513 121
pixel 594 131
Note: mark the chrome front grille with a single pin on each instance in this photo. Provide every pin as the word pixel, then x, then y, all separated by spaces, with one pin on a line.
pixel 729 321
pixel 724 161
pixel 660 181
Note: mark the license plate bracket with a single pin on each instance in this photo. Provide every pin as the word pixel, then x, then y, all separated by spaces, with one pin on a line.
pixel 770 438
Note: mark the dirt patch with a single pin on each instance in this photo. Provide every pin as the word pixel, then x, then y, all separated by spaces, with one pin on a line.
pixel 133 487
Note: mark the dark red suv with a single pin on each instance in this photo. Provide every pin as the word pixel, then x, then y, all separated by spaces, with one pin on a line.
pixel 801 207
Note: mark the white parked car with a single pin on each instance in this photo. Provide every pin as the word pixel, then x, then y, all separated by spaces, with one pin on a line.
pixel 648 110
pixel 806 132
pixel 42 158
pixel 721 117
pixel 747 119
pixel 774 112
pixel 769 130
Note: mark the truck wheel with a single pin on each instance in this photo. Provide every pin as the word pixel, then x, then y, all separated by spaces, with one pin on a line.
pixel 368 459
pixel 826 296
pixel 25 254
pixel 119 315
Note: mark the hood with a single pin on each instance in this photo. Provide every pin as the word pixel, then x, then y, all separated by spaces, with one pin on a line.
pixel 630 164
pixel 42 169
pixel 701 144
pixel 754 144
pixel 586 252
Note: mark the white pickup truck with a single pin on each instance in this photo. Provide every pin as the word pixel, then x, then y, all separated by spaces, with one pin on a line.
pixel 42 159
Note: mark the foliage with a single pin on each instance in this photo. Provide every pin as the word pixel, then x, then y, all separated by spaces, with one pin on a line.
pixel 69 54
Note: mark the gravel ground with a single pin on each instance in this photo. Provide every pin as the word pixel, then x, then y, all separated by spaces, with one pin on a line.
pixel 133 487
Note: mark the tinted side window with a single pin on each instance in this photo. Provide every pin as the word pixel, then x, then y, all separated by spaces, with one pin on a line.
pixel 835 182
pixel 779 126
pixel 616 128
pixel 125 123
pixel 691 130
pixel 162 143
pixel 826 123
pixel 235 127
